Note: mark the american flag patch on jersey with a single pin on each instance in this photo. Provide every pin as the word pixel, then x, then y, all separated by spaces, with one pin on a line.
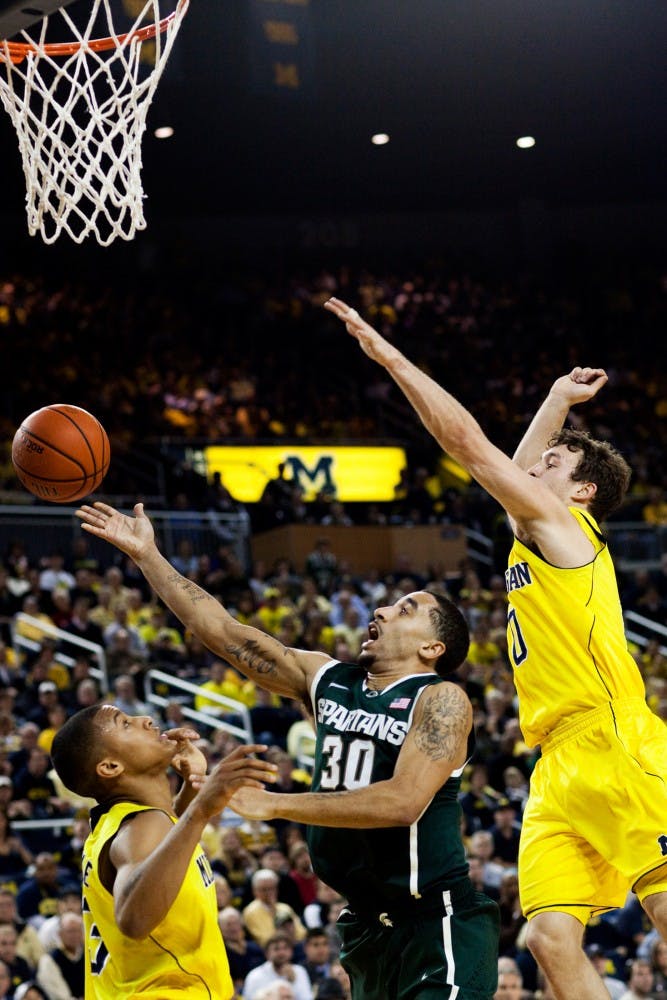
pixel 400 703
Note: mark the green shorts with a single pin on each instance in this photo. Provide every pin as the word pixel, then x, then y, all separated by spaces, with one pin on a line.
pixel 444 950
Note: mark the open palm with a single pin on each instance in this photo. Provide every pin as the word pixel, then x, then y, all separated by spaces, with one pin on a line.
pixel 131 535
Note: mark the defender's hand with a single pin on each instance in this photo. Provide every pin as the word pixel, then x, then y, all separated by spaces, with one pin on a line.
pixel 371 342
pixel 580 385
pixel 238 769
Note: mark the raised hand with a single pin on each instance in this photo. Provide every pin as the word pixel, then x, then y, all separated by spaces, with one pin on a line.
pixel 132 535
pixel 189 761
pixel 580 385
pixel 238 769
pixel 371 342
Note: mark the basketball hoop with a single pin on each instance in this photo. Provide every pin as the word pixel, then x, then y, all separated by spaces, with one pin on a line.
pixel 79 108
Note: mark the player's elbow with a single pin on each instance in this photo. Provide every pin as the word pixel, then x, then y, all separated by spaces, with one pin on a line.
pixel 465 446
pixel 406 796
pixel 410 813
pixel 406 810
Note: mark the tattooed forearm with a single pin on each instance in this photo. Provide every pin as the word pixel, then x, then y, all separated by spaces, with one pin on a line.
pixel 444 725
pixel 253 656
pixel 190 589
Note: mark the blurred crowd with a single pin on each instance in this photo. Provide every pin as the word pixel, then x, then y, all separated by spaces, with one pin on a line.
pixel 254 356
pixel 277 919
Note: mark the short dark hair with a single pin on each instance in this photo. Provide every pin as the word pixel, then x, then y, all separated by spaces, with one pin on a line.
pixel 315 932
pixel 600 463
pixel 329 988
pixel 452 629
pixel 76 744
pixel 276 938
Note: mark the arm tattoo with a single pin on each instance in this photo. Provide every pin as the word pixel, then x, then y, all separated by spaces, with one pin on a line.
pixel 191 589
pixel 443 726
pixel 253 656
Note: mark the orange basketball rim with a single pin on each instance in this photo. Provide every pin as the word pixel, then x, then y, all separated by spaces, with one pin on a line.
pixel 17 51
pixel 79 108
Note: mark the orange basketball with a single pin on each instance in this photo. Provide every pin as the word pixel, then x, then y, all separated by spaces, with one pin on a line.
pixel 61 453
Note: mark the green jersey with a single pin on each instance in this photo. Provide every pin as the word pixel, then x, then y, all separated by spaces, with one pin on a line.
pixel 360 733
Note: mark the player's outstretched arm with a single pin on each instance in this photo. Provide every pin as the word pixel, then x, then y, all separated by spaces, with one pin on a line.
pixel 534 510
pixel 150 854
pixel 435 746
pixel 578 387
pixel 454 428
pixel 256 655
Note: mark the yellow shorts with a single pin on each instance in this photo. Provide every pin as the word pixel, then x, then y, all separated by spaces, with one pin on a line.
pixel 595 825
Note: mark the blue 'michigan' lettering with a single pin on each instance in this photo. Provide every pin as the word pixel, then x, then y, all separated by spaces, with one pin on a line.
pixel 517 576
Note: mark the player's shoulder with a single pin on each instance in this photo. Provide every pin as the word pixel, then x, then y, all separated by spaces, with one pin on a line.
pixel 588 525
pixel 331 668
pixel 126 823
pixel 446 695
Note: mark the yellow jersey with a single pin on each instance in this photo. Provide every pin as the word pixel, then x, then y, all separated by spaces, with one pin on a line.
pixel 566 637
pixel 183 956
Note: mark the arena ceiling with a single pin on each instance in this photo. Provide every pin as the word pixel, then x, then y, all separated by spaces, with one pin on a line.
pixel 274 103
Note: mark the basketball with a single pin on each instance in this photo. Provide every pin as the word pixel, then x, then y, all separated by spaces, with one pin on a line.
pixel 61 453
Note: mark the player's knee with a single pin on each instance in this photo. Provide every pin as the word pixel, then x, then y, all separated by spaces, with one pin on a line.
pixel 536 940
pixel 656 908
pixel 552 936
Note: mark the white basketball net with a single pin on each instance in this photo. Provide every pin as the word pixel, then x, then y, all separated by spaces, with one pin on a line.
pixel 80 120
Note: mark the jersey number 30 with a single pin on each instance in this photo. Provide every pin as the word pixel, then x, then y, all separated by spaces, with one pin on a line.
pixel 346 765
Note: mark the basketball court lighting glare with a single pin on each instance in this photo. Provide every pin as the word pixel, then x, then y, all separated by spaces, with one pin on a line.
pixel 525 142
pixel 380 139
pixel 163 132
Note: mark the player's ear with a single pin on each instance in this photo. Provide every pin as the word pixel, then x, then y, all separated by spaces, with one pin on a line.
pixel 108 768
pixel 431 650
pixel 585 492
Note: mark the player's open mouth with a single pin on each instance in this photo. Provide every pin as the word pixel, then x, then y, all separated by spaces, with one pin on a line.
pixel 373 631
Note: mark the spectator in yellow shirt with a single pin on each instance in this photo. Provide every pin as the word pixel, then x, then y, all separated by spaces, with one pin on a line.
pixel 270 615
pixel 482 651
pixel 162 641
pixel 265 912
pixel 139 613
pixel 655 510
pixel 31 630
pixel 57 716
pixel 223 681
pixel 101 613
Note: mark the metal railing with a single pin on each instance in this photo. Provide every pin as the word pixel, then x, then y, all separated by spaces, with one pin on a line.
pixel 636 544
pixel 178 689
pixel 43 529
pixel 304 757
pixel 644 630
pixel 96 654
pixel 479 547
pixel 50 824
